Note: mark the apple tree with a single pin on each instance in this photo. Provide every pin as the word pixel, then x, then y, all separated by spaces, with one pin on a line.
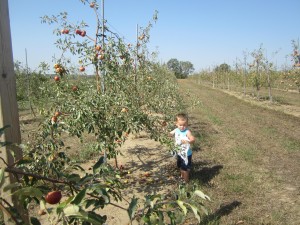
pixel 107 110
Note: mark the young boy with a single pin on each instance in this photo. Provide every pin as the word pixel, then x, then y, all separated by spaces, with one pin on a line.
pixel 183 139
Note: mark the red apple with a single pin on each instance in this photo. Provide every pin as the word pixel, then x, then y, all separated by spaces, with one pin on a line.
pixel 75 88
pixel 81 69
pixel 56 78
pixel 54 119
pixel 142 37
pixel 57 113
pixel 53 197
pixel 164 123
pixel 83 33
pixel 101 56
pixel 78 31
pixel 98 48
pixel 58 70
pixel 92 5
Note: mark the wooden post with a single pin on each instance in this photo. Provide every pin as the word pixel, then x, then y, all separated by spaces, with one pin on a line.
pixel 8 112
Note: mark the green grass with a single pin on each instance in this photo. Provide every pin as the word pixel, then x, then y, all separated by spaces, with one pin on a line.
pixel 248 154
pixel 232 133
pixel 209 114
pixel 238 183
pixel 269 130
pixel 215 120
pixel 88 151
pixel 205 140
pixel 291 145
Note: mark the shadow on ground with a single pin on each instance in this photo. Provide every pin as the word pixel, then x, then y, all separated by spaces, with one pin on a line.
pixel 148 172
pixel 204 173
pixel 224 210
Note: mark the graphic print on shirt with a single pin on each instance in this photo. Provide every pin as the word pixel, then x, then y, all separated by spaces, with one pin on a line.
pixel 183 148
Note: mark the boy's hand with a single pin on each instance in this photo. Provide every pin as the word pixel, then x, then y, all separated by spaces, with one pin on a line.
pixel 185 142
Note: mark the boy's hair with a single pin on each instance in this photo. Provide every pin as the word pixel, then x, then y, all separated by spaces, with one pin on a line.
pixel 182 116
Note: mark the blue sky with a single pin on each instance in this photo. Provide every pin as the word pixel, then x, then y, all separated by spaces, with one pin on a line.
pixel 205 32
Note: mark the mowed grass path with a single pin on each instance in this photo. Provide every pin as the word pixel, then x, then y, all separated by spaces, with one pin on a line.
pixel 248 158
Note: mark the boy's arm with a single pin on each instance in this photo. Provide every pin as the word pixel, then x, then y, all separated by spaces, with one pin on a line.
pixel 190 137
pixel 172 132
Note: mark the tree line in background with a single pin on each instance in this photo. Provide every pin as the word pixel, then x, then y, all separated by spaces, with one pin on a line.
pixel 181 69
pixel 255 73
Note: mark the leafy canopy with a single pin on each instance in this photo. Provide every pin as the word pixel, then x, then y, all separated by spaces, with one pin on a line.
pixel 181 69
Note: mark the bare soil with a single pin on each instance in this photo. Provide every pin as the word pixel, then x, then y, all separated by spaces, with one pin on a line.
pixel 246 159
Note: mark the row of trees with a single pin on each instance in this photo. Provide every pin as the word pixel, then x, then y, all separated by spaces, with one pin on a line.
pixel 257 72
pixel 128 93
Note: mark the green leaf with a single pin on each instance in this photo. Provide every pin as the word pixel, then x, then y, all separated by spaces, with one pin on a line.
pixel 79 197
pixel 64 204
pixel 78 167
pixel 2 129
pixel 42 204
pixel 11 186
pixel 96 167
pixel 2 144
pixel 103 192
pixel 78 116
pixel 24 161
pixel 153 202
pixel 202 195
pixel 93 218
pixel 146 219
pixel 86 179
pixel 34 221
pixel 30 191
pixel 90 202
pixel 153 218
pixel 72 210
pixel 204 209
pixel 132 208
pixel 74 177
pixel 195 211
pixel 161 218
pixel 181 204
pixel 2 176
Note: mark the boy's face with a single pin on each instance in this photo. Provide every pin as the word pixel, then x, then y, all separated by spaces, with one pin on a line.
pixel 181 124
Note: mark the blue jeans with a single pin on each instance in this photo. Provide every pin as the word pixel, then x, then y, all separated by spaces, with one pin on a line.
pixel 182 165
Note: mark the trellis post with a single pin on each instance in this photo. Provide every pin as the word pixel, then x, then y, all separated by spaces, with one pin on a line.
pixel 9 115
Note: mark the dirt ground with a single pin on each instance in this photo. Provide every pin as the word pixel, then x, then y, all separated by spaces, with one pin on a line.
pixel 148 166
pixel 142 157
pixel 247 160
